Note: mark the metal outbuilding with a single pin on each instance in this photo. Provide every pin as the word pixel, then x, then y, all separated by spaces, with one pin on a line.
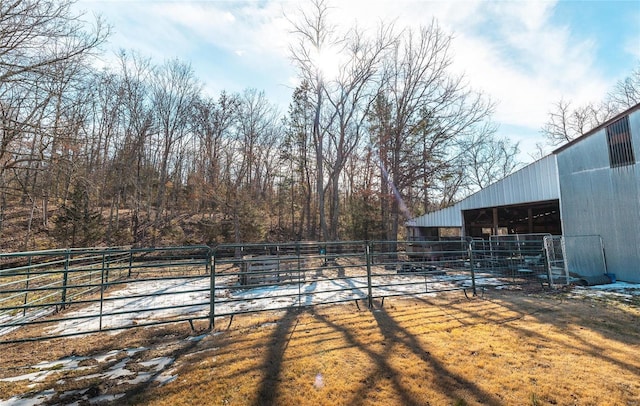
pixel 599 179
pixel 588 190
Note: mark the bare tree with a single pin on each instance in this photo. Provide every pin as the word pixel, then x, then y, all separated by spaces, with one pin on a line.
pixel 342 99
pixel 567 123
pixel 350 97
pixel 362 197
pixel 422 110
pixel 37 34
pixel 42 45
pixel 249 166
pixel 212 124
pixel 626 92
pixel 128 167
pixel 314 37
pixel 174 89
pixel 103 128
pixel 486 159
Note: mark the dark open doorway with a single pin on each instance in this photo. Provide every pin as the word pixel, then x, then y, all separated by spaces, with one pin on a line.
pixel 529 218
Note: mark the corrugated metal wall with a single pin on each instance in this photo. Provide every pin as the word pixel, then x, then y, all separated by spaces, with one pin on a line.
pixel 599 200
pixel 449 217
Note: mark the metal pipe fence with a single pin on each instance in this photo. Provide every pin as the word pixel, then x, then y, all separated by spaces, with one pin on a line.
pixel 514 256
pixel 60 293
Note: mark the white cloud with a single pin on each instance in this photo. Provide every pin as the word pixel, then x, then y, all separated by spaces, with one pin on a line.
pixel 229 17
pixel 512 51
pixel 526 63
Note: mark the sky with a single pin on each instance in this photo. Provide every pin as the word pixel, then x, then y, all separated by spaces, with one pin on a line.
pixel 525 55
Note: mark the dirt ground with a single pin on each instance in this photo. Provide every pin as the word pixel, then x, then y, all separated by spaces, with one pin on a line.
pixel 504 348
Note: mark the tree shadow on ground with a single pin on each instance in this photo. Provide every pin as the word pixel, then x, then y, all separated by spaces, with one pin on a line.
pixel 395 336
pixel 268 391
pixel 563 315
pixel 364 355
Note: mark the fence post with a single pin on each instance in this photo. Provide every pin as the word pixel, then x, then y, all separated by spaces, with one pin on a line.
pixel 130 262
pixel 369 288
pixel 299 274
pixel 473 269
pixel 212 289
pixel 65 277
pixel 102 287
pixel 26 290
pixel 565 259
pixel 104 263
pixel 207 266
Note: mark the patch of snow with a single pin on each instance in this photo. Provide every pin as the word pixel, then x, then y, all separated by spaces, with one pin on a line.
pixel 161 300
pixel 38 399
pixel 165 378
pixel 196 338
pixel 8 321
pixel 103 357
pixel 32 377
pixel 70 393
pixel 621 290
pixel 192 296
pixel 618 286
pixel 68 363
pixel 140 302
pixel 48 368
pixel 115 372
pixel 139 378
pixel 132 351
pixel 483 282
pixel 159 363
pixel 106 398
pixel 118 370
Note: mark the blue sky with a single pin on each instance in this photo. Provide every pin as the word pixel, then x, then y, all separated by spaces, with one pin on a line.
pixel 525 55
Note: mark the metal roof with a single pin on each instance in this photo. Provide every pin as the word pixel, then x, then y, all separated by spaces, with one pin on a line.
pixel 535 182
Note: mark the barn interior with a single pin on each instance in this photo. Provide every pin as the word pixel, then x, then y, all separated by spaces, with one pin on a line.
pixel 529 218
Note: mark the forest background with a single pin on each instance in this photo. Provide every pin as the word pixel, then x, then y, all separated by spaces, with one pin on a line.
pixel 137 154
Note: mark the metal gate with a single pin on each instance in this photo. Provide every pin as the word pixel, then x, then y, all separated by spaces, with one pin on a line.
pixel 557 270
pixel 580 255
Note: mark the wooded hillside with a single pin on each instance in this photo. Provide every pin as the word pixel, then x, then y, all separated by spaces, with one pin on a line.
pixel 138 154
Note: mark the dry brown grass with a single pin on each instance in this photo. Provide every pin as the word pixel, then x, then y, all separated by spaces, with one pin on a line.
pixel 507 348
pixel 504 349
